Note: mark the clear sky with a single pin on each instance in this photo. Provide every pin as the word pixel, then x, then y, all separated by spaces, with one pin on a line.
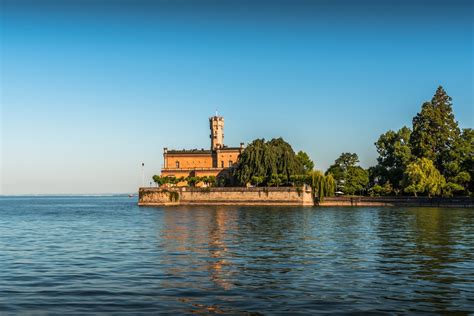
pixel 91 89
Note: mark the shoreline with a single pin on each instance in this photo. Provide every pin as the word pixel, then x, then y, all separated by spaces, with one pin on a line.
pixel 282 196
pixel 397 201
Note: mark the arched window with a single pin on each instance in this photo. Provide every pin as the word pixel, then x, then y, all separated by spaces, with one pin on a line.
pixel 222 164
pixel 177 164
pixel 230 163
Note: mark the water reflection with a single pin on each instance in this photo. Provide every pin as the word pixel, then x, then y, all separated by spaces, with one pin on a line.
pixel 331 255
pixel 98 255
pixel 420 253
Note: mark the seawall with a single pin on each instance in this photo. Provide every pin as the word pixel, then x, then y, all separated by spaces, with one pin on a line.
pixel 283 196
pixel 403 201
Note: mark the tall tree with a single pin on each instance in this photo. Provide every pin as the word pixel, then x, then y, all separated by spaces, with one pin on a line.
pixel 459 163
pixel 466 152
pixel 356 181
pixel 322 185
pixel 265 159
pixel 330 185
pixel 346 160
pixel 284 158
pixel 315 179
pixel 435 130
pixel 349 177
pixel 394 155
pixel 305 161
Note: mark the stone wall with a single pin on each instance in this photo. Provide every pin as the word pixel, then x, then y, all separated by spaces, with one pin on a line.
pixel 401 201
pixel 226 196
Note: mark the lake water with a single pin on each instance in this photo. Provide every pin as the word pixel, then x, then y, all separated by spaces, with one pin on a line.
pixel 82 255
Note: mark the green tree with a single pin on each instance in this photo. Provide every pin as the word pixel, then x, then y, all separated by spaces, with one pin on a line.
pixel 212 180
pixel 159 180
pixel 256 180
pixel 297 179
pixel 387 188
pixel 314 180
pixel 437 136
pixel 356 180
pixel 346 160
pixel 322 186
pixel 376 190
pixel 192 181
pixel 394 155
pixel 349 177
pixel 330 185
pixel 466 152
pixel 284 158
pixel 205 180
pixel 459 168
pixel 435 131
pixel 421 176
pixel 263 159
pixel 305 161
pixel 275 180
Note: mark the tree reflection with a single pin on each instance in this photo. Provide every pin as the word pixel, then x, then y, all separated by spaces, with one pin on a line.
pixel 419 248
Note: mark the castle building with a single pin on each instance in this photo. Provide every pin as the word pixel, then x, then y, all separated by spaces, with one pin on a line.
pixel 202 162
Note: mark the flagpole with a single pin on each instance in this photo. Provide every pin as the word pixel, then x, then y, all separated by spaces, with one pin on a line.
pixel 143 174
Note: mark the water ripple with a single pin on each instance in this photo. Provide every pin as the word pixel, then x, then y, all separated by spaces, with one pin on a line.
pixel 88 255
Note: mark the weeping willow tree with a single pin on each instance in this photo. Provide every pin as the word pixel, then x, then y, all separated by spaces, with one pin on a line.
pixel 264 160
pixel 330 185
pixel 321 185
pixel 285 159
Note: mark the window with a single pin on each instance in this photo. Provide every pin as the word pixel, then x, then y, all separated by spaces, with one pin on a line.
pixel 222 164
pixel 177 164
pixel 230 163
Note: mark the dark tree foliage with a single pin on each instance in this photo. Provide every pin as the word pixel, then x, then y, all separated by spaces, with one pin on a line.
pixel 435 136
pixel 341 165
pixel 356 181
pixel 394 155
pixel 305 161
pixel 435 131
pixel 465 156
pixel 261 161
pixel 349 177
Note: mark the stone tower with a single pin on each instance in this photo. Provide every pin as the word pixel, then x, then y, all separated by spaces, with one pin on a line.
pixel 217 132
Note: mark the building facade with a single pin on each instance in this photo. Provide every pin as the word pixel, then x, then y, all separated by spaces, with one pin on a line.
pixel 201 162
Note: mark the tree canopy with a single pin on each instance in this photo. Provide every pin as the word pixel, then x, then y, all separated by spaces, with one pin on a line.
pixel 260 161
pixel 435 130
pixel 350 178
pixel 435 136
pixel 421 176
pixel 305 161
pixel 394 155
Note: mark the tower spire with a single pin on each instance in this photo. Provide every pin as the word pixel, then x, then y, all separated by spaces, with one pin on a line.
pixel 217 131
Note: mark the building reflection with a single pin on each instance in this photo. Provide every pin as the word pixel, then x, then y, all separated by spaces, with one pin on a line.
pixel 221 228
pixel 209 244
pixel 195 242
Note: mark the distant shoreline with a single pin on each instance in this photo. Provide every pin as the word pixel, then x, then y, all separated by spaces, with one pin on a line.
pixel 69 195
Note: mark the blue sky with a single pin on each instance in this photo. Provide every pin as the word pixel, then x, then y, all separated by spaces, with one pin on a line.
pixel 90 89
